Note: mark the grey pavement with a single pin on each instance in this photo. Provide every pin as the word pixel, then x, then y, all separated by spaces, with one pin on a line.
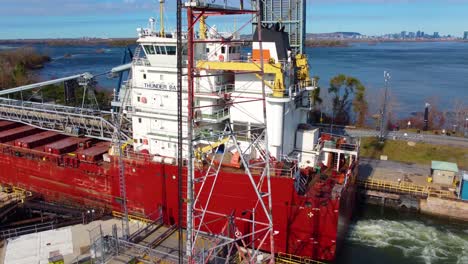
pixel 400 135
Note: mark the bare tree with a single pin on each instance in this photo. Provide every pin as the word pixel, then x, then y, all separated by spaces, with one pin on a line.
pixel 460 109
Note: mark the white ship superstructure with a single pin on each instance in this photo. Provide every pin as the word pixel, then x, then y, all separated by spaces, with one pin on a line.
pixel 220 95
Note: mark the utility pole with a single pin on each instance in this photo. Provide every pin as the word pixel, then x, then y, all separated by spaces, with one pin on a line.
pixel 383 113
pixel 180 135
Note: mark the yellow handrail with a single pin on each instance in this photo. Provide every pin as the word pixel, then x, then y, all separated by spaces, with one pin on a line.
pixel 403 187
pixel 131 217
pixel 293 259
pixel 269 68
pixel 203 150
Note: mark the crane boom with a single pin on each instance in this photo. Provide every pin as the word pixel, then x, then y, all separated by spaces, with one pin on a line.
pixel 40 84
pixel 86 76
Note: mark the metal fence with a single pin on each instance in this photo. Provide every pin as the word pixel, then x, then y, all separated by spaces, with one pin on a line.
pixel 404 188
pixel 19 231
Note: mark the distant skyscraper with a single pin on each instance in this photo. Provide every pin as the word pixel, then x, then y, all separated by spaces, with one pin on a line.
pixel 403 35
pixel 465 36
pixel 423 34
pixel 418 34
pixel 411 35
pixel 436 35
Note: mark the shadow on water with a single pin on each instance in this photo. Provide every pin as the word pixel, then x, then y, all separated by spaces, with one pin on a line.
pixel 384 236
pixel 365 171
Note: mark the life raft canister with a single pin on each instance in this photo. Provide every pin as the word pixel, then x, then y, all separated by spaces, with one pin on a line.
pixel 221 57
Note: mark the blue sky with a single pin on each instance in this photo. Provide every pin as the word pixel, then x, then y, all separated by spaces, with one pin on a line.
pixel 120 18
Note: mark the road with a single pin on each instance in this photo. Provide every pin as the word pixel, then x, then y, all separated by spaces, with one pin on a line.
pixel 398 135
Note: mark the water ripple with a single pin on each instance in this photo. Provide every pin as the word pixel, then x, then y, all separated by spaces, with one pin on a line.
pixel 431 244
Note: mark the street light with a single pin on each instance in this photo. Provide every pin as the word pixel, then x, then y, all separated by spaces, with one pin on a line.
pixel 466 126
pixel 384 108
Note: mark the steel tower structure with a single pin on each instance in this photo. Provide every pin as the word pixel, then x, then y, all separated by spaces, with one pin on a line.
pixel 213 234
pixel 291 14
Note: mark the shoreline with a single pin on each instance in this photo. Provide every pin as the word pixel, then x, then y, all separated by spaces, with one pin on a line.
pixel 121 42
pixel 343 43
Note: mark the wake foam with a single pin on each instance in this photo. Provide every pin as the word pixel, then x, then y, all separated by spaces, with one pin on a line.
pixel 415 239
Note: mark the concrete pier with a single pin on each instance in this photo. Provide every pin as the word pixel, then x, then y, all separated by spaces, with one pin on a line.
pixel 455 209
pixel 405 186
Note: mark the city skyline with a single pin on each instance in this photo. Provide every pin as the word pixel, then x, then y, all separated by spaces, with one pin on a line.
pixel 120 18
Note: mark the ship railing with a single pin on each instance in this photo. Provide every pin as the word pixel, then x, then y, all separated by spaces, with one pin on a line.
pixel 224 88
pixel 276 172
pixel 144 252
pixel 330 141
pixel 285 258
pixel 132 217
pixel 19 231
pixel 217 114
pixel 404 188
pixel 132 155
pixel 141 62
pixel 216 89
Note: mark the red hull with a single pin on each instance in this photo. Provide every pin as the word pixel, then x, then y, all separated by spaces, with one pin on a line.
pixel 312 225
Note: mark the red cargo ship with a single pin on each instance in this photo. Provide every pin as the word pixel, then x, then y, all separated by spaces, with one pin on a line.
pixel 310 223
pixel 313 175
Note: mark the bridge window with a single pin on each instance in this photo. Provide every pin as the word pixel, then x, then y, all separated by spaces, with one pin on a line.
pixel 160 50
pixel 223 50
pixel 149 49
pixel 171 50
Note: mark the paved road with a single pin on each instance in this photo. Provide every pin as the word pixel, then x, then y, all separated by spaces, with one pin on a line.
pixel 397 135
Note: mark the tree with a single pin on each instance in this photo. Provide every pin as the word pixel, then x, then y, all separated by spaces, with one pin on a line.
pixel 360 106
pixel 315 95
pixel 342 88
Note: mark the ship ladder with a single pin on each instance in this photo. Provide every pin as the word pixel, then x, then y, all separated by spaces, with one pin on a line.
pixel 146 231
pixel 161 238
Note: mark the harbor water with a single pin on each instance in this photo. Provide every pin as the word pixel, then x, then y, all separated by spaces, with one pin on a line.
pixel 420 72
pixel 386 236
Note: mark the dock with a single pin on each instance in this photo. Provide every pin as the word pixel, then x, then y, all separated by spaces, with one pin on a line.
pixel 405 186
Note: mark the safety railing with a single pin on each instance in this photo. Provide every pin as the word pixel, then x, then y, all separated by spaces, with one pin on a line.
pixel 16 194
pixel 215 90
pixel 404 188
pixel 132 217
pixel 16 232
pixel 293 259
pixel 218 114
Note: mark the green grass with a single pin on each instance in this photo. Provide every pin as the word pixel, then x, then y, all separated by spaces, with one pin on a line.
pixel 421 153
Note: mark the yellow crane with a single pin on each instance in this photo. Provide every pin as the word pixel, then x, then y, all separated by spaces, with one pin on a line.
pixel 269 68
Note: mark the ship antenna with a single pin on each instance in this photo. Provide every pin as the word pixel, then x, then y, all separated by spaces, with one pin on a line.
pixel 161 16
